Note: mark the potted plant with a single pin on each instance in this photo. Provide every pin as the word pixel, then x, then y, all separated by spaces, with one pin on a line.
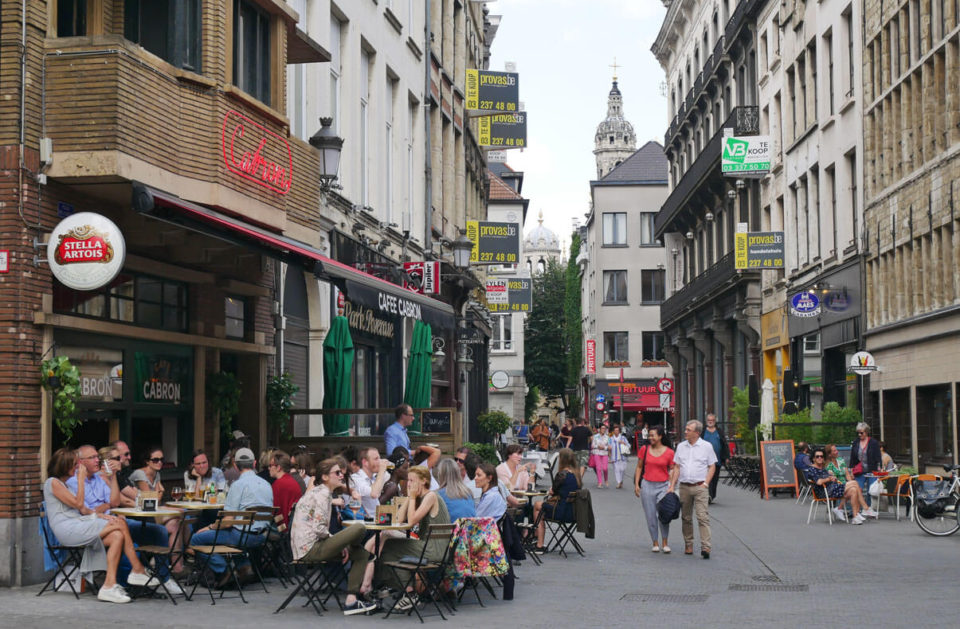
pixel 223 396
pixel 280 392
pixel 62 379
pixel 494 423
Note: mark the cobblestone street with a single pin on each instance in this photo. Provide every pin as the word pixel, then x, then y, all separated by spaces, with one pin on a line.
pixel 768 567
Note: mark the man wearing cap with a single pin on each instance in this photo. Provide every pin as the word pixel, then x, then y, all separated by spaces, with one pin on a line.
pixel 249 490
pixel 396 433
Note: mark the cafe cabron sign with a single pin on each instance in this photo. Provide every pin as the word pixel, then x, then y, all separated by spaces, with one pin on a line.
pixel 86 251
pixel 256 153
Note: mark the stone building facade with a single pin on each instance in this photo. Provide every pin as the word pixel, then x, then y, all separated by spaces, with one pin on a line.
pixel 912 244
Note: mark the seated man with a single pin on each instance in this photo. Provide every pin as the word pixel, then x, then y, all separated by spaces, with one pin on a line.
pixel 369 479
pixel 286 490
pixel 802 460
pixel 101 495
pixel 249 490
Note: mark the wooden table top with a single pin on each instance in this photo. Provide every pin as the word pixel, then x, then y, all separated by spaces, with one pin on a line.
pixel 380 527
pixel 131 512
pixel 190 504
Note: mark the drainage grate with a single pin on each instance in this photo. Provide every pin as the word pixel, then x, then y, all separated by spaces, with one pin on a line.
pixel 766 578
pixel 772 587
pixel 665 598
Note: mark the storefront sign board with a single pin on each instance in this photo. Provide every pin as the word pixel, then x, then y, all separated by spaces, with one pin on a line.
pixel 257 154
pixel 424 277
pixel 592 361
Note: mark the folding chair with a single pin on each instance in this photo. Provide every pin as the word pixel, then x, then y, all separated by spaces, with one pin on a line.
pixel 818 496
pixel 430 573
pixel 64 556
pixel 238 519
pixel 256 554
pixel 168 555
pixel 315 582
pixel 804 491
pixel 562 532
pixel 275 553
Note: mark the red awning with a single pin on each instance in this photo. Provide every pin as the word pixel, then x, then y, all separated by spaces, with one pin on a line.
pixel 172 209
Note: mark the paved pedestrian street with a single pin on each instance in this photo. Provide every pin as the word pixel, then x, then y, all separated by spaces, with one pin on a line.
pixel 768 568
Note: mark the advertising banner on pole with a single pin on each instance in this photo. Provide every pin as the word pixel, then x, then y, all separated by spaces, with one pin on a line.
pixel 424 277
pixel 492 91
pixel 503 131
pixel 494 243
pixel 758 250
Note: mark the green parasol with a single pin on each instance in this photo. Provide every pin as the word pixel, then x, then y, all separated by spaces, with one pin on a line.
pixel 337 371
pixel 419 370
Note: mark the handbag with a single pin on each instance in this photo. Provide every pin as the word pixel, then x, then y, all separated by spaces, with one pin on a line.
pixel 624 447
pixel 857 469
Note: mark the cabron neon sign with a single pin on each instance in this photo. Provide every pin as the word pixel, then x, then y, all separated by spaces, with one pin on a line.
pixel 256 153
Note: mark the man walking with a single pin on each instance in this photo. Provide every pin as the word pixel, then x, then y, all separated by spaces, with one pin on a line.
pixel 715 437
pixel 696 464
pixel 580 444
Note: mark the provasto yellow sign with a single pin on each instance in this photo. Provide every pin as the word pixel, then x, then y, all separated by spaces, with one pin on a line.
pixel 492 91
pixel 758 250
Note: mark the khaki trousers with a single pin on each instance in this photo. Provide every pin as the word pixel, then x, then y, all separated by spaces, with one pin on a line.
pixel 329 549
pixel 695 499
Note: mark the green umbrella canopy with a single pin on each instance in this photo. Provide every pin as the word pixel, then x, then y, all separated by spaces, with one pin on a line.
pixel 419 370
pixel 337 370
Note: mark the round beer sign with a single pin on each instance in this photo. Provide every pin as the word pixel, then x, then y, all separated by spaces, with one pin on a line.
pixel 86 251
pixel 862 363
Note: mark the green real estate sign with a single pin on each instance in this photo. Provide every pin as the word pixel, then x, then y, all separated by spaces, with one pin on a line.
pixel 492 91
pixel 746 156
pixel 503 131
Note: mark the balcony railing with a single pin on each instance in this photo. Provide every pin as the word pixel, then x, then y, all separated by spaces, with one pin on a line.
pixel 745 9
pixel 702 288
pixel 710 64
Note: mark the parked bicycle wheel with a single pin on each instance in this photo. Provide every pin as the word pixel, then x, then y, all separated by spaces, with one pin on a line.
pixel 939 518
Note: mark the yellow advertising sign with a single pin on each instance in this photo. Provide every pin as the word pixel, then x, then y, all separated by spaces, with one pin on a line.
pixel 740 250
pixel 492 91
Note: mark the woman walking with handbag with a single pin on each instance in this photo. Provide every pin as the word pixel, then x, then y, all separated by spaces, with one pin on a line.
pixel 650 480
pixel 599 456
pixel 619 449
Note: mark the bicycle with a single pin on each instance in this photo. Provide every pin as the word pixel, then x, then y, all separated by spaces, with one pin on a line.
pixel 936 504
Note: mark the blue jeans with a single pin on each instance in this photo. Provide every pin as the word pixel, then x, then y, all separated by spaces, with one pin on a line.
pixel 865 483
pixel 145 534
pixel 228 537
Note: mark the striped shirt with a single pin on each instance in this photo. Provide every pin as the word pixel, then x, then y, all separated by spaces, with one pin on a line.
pixel 617 444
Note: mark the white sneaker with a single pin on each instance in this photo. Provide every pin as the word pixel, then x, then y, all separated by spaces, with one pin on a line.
pixel 869 513
pixel 838 512
pixel 655 548
pixel 858 519
pixel 174 588
pixel 116 594
pixel 143 579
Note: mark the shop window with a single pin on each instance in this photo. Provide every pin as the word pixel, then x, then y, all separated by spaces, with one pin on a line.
pixel 169 29
pixel 615 347
pixel 653 345
pixel 502 340
pixel 71 18
pixel 251 50
pixel 131 298
pixel 614 287
pixel 233 316
pixel 935 422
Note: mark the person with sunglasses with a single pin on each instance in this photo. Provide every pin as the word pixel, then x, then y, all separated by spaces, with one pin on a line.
pixel 865 453
pixel 826 484
pixel 147 478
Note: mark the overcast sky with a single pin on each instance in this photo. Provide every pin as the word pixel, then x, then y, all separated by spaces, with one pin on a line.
pixel 563 50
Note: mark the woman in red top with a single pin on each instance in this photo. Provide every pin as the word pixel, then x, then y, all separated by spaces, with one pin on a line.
pixel 650 480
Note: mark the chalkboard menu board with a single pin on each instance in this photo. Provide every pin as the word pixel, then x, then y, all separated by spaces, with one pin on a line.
pixel 776 466
pixel 436 420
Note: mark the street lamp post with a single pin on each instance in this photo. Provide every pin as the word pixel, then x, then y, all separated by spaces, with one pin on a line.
pixel 329 144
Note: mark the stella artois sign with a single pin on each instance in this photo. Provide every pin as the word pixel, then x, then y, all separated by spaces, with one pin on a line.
pixel 86 251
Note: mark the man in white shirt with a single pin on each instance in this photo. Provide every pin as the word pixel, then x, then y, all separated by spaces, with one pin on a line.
pixel 696 463
pixel 369 479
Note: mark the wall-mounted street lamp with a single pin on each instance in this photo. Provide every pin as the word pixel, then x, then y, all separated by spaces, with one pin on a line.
pixel 438 353
pixel 689 235
pixel 329 144
pixel 462 247
pixel 709 217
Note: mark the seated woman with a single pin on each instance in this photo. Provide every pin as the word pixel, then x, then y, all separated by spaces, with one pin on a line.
pixel 492 503
pixel 886 461
pixel 556 506
pixel 421 508
pixel 512 472
pixel 200 474
pixel 312 539
pixel 74 524
pixel 400 460
pixel 830 487
pixel 838 467
pixel 147 478
pixel 456 495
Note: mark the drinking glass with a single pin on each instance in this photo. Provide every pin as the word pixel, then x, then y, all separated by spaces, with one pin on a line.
pixel 176 493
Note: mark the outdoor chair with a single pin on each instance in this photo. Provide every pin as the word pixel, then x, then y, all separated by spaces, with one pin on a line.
pixel 805 488
pixel 818 496
pixel 430 574
pixel 257 555
pixel 67 558
pixel 319 577
pixel 238 519
pixel 902 489
pixel 274 554
pixel 168 555
pixel 562 532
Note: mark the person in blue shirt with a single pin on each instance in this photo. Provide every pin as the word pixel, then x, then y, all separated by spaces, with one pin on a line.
pixel 802 460
pixel 457 496
pixel 492 503
pixel 396 433
pixel 715 437
pixel 249 490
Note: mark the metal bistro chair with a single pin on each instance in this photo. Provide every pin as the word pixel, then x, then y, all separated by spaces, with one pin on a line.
pixel 238 519
pixel 64 556
pixel 818 496
pixel 168 555
pixel 430 573
pixel 562 532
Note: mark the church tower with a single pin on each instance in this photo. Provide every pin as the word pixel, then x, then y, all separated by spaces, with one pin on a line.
pixel 615 140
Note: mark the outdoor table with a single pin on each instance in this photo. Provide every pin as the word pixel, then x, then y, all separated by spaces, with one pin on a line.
pixel 886 492
pixel 379 528
pixel 131 512
pixel 194 505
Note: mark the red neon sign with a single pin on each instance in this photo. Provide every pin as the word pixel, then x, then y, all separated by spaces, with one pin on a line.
pixel 591 356
pixel 256 153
